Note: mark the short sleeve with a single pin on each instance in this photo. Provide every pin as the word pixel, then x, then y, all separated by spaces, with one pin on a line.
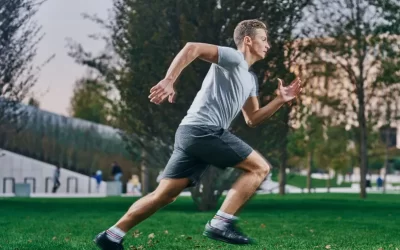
pixel 254 90
pixel 228 57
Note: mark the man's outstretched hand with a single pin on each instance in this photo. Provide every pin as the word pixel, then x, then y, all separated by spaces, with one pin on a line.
pixel 163 90
pixel 288 93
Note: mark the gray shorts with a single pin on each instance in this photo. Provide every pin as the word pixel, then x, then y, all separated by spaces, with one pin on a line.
pixel 197 147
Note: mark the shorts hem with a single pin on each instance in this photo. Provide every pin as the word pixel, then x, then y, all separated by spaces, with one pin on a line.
pixel 192 181
pixel 241 157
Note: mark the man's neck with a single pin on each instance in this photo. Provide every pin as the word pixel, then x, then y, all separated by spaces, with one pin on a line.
pixel 248 57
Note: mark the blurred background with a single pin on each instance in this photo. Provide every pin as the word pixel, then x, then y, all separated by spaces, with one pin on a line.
pixel 75 119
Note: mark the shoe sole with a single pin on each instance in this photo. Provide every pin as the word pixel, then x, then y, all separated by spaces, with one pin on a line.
pixel 214 236
pixel 97 244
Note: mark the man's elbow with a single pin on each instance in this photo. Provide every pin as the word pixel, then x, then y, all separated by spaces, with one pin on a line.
pixel 251 123
pixel 192 49
pixel 203 51
pixel 190 45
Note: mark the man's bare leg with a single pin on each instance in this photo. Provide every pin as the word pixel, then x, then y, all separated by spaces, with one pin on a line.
pixel 166 192
pixel 255 170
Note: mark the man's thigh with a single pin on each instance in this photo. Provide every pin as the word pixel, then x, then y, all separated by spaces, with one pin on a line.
pixel 255 161
pixel 197 147
pixel 181 165
pixel 215 146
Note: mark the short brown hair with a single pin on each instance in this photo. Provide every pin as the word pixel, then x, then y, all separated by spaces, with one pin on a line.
pixel 247 28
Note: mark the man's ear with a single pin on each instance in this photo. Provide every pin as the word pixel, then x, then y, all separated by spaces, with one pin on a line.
pixel 247 40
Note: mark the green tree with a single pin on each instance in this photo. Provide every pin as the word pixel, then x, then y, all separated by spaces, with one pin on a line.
pixel 90 101
pixel 19 37
pixel 318 112
pixel 334 152
pixel 143 41
pixel 352 36
pixel 389 81
pixel 33 102
pixel 304 142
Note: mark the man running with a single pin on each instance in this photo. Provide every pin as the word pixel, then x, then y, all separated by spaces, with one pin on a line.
pixel 203 139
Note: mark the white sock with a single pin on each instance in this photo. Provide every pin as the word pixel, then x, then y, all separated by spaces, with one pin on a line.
pixel 115 234
pixel 222 219
pixel 226 216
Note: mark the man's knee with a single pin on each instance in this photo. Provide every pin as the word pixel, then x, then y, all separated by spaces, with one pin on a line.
pixel 262 169
pixel 265 169
pixel 169 189
pixel 256 164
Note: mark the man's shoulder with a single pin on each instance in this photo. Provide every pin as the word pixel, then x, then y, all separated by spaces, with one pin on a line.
pixel 230 51
pixel 227 48
pixel 254 75
pixel 228 56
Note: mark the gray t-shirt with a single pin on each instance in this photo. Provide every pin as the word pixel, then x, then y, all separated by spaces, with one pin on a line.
pixel 225 89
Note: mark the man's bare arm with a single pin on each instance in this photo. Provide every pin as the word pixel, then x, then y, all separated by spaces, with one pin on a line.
pixel 254 115
pixel 165 88
pixel 188 54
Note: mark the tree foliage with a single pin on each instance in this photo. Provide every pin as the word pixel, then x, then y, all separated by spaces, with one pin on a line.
pixel 90 101
pixel 18 40
pixel 19 37
pixel 305 141
pixel 32 101
pixel 145 39
pixel 352 38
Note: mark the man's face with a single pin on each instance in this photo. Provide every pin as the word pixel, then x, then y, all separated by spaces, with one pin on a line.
pixel 259 44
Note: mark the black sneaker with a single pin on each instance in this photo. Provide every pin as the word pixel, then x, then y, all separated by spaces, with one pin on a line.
pixel 229 235
pixel 104 243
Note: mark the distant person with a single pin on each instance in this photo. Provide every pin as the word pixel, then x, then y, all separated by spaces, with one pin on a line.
pixel 116 171
pixel 56 179
pixel 135 185
pixel 379 182
pixel 368 180
pixel 99 177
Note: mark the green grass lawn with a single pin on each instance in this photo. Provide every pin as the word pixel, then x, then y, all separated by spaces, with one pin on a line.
pixel 300 181
pixel 306 221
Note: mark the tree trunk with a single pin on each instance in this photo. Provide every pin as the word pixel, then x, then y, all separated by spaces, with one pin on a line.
pixel 309 168
pixel 284 156
pixel 145 174
pixel 361 55
pixel 282 172
pixel 212 184
pixel 328 183
pixel 387 138
pixel 363 144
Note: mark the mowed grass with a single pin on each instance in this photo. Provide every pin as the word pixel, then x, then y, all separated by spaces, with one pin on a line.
pixel 304 221
pixel 300 181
